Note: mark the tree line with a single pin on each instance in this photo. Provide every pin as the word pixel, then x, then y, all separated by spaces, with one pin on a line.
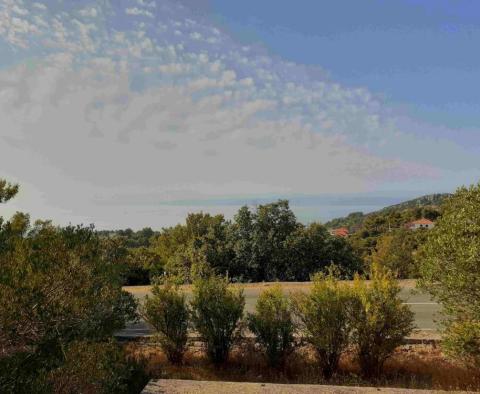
pixel 263 244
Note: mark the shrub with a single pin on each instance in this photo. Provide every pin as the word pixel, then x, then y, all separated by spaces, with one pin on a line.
pixel 449 264
pixel 97 368
pixel 273 325
pixel 463 341
pixel 87 367
pixel 216 311
pixel 324 317
pixel 167 311
pixel 380 321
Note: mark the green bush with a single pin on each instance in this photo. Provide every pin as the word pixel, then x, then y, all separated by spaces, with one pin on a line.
pixel 380 321
pixel 216 311
pixel 273 325
pixel 463 341
pixel 88 367
pixel 324 317
pixel 167 311
pixel 97 368
pixel 449 264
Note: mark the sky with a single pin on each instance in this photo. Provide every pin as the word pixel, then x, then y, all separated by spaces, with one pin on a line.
pixel 132 113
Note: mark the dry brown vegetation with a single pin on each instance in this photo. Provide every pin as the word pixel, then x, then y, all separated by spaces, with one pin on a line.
pixel 412 366
pixel 286 286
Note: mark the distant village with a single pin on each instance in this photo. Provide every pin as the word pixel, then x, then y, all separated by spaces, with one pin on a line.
pixel 423 223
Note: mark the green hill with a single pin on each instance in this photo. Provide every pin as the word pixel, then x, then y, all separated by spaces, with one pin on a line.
pixel 355 220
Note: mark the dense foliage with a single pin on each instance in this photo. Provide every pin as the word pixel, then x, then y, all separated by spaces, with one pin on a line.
pixel 266 244
pixel 62 287
pixel 450 270
pixel 138 261
pixel 396 251
pixel 273 326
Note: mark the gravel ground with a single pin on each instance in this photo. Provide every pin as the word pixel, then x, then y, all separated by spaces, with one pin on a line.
pixel 172 386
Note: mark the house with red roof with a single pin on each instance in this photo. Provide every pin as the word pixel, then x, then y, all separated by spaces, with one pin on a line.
pixel 340 232
pixel 420 223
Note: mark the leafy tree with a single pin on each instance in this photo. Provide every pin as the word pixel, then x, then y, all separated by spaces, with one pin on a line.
pixel 312 249
pixel 273 224
pixel 396 251
pixel 60 288
pixel 273 325
pixel 241 238
pixel 7 191
pixel 167 311
pixel 142 266
pixel 380 320
pixel 449 264
pixel 216 312
pixel 204 237
pixel 324 317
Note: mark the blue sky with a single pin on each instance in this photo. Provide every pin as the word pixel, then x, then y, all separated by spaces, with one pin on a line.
pixel 135 112
pixel 420 55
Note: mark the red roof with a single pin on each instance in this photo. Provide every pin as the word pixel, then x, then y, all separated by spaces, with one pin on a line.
pixel 340 232
pixel 421 221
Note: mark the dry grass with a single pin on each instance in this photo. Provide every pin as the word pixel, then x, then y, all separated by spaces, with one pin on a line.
pixel 413 366
pixel 286 286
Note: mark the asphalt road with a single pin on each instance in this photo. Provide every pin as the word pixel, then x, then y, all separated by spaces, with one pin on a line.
pixel 426 311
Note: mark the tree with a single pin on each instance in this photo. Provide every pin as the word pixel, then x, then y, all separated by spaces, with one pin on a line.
pixel 273 325
pixel 312 249
pixel 203 237
pixel 61 287
pixel 7 191
pixel 245 265
pixel 396 251
pixel 274 222
pixel 449 264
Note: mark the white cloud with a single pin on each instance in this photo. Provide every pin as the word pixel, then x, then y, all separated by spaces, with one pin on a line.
pixel 40 6
pixel 195 36
pixel 138 12
pixel 89 12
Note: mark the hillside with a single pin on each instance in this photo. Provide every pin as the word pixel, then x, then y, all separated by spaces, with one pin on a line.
pixel 355 219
